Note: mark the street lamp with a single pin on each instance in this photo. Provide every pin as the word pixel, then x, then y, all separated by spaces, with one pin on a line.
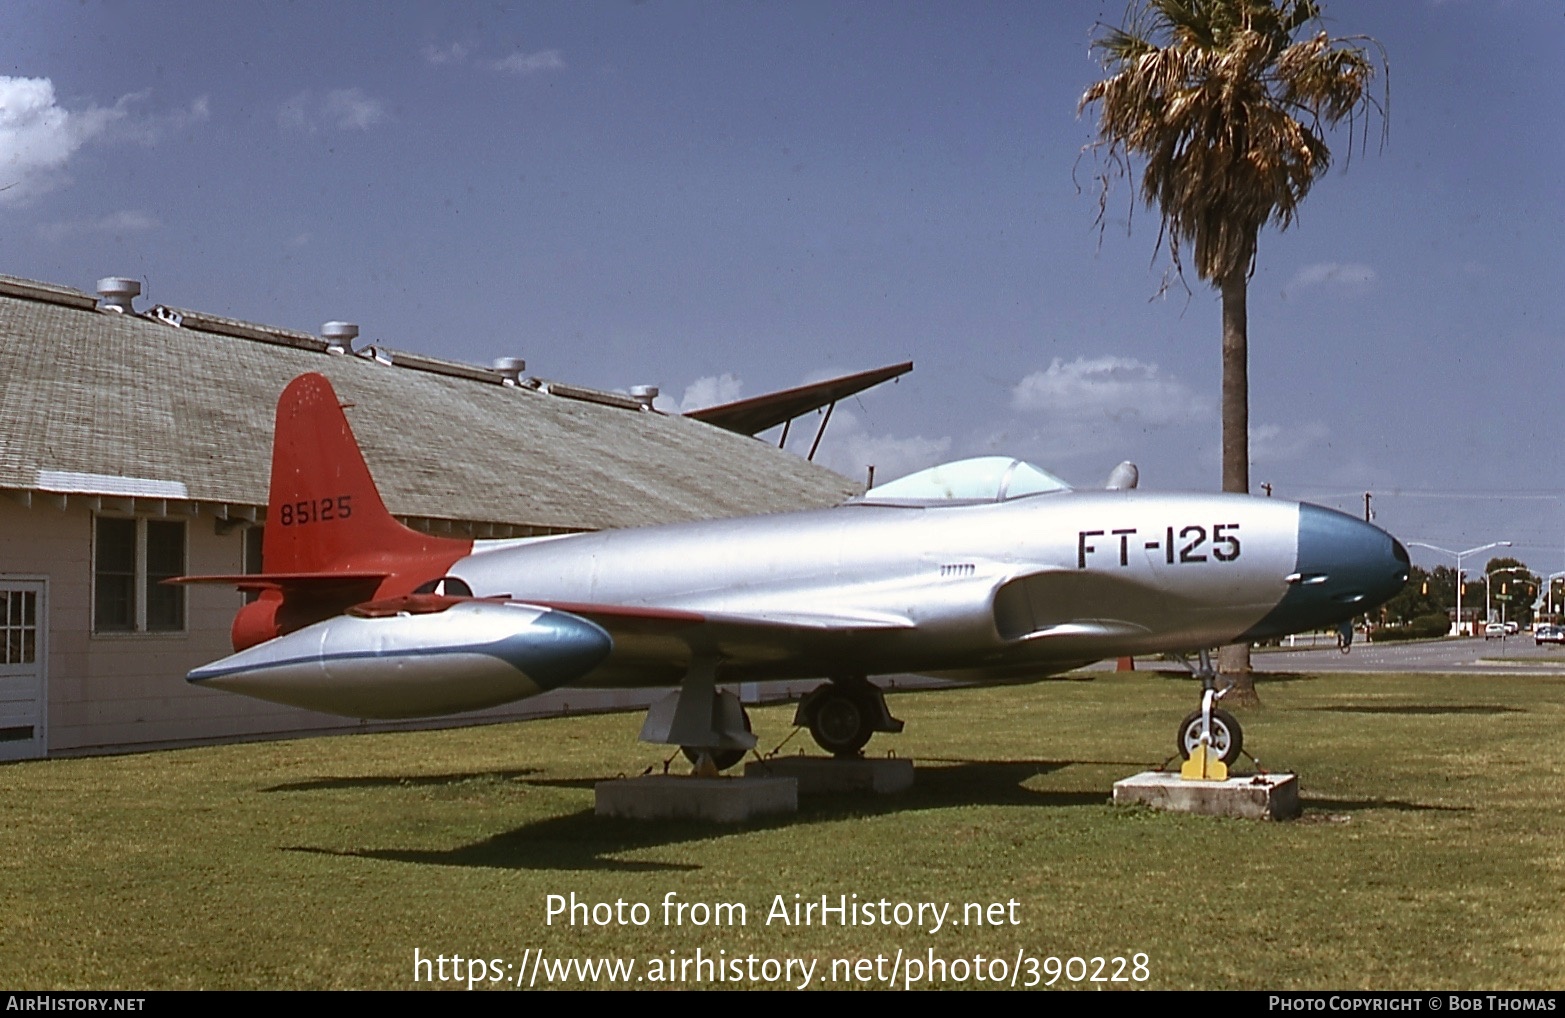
pixel 1488 610
pixel 1550 582
pixel 1459 556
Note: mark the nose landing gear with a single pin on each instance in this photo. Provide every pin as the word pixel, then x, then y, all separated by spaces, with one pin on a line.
pixel 1209 739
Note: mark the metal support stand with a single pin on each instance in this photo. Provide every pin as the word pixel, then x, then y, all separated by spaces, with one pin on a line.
pixel 698 716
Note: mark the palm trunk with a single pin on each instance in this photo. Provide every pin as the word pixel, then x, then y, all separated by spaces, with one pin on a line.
pixel 1234 661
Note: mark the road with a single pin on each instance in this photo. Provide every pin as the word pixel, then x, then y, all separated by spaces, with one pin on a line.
pixel 1515 655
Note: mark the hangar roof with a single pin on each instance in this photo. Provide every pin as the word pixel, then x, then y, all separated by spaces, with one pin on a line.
pixel 178 404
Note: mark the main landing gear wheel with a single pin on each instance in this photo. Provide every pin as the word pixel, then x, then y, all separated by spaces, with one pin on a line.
pixel 1227 737
pixel 722 759
pixel 842 722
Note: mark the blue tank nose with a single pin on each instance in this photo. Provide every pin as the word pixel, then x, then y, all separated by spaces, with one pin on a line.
pixel 1345 567
pixel 555 649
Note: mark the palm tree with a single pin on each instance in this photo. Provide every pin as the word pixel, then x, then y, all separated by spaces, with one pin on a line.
pixel 1223 103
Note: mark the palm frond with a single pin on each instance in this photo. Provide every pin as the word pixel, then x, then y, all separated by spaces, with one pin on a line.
pixel 1226 111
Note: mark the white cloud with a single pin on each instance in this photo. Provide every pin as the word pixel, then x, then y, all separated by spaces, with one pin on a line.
pixel 531 63
pixel 852 455
pixel 517 63
pixel 114 224
pixel 1350 277
pixel 439 55
pixel 1271 443
pixel 151 128
pixel 848 449
pixel 350 108
pixel 341 109
pixel 713 390
pixel 38 136
pixel 1121 390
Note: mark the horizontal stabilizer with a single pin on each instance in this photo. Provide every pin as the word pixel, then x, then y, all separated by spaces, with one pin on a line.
pixel 300 582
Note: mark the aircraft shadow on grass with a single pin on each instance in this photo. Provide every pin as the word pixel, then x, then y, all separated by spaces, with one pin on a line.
pixel 1421 708
pixel 584 841
pixel 1265 678
pixel 1328 806
pixel 389 781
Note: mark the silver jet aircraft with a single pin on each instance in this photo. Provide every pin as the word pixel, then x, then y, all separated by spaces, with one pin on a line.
pixel 987 569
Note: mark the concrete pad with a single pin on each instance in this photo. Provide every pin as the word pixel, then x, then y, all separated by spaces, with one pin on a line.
pixel 818 775
pixel 1259 797
pixel 674 797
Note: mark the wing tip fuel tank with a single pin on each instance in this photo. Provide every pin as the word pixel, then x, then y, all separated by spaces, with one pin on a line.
pixel 473 655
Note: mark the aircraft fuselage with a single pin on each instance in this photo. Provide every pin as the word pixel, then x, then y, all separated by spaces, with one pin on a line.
pixel 1027 586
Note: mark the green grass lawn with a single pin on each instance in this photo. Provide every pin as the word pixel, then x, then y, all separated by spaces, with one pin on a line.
pixel 1431 852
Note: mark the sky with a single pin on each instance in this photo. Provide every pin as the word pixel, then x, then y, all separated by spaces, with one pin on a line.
pixel 724 199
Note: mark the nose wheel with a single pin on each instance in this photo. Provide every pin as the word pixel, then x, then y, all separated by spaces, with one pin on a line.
pixel 1227 739
pixel 1210 733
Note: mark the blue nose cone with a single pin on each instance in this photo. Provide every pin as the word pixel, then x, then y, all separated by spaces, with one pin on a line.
pixel 1345 567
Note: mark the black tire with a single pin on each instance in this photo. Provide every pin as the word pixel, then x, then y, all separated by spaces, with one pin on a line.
pixel 841 723
pixel 1227 736
pixel 722 759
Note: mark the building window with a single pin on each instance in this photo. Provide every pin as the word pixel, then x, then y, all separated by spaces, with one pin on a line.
pixel 131 559
pixel 18 631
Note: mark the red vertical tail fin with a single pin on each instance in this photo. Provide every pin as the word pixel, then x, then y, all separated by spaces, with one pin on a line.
pixel 329 542
pixel 324 514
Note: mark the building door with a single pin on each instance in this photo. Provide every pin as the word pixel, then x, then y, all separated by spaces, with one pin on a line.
pixel 23 665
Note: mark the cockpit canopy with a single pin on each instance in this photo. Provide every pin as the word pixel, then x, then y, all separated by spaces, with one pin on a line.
pixel 965 482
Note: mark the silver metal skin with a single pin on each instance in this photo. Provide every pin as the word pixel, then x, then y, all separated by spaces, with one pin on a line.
pixel 926 574
pixel 1003 590
pixel 470 656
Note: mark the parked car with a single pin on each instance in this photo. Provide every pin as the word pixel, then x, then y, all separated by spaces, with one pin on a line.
pixel 1548 634
pixel 1512 628
pixel 1494 631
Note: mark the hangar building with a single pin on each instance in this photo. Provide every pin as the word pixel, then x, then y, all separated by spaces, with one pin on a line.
pixel 135 446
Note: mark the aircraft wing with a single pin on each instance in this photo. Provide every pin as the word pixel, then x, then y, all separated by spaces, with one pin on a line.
pixel 666 618
pixel 656 634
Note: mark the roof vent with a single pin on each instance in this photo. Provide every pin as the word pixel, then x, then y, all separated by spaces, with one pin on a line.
pixel 510 368
pixel 118 293
pixel 644 394
pixel 339 336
